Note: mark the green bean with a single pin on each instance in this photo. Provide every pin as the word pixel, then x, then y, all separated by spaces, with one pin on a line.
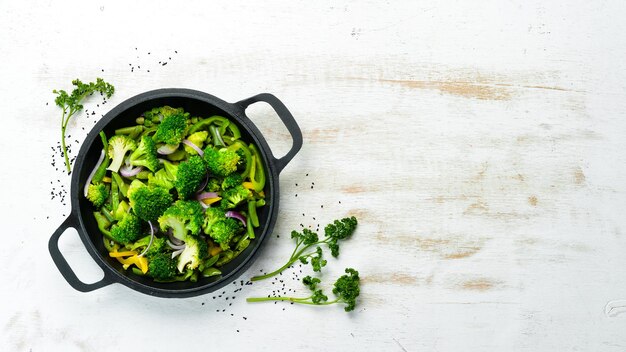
pixel 249 228
pixel 208 272
pixel 252 213
pixel 115 196
pixel 129 130
pixel 122 186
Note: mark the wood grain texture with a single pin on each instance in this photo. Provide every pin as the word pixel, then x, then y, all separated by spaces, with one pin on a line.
pixel 480 146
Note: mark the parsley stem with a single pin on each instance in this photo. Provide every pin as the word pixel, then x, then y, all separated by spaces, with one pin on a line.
pixel 63 146
pixel 292 260
pixel 275 272
pixel 303 300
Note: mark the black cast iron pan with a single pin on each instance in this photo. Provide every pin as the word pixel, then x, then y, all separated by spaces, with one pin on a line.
pixel 198 104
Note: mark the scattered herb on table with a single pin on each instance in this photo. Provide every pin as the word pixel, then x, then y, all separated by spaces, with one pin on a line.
pixel 346 289
pixel 72 103
pixel 307 240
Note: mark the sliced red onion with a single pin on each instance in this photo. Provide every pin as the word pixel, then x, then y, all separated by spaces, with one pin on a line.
pixel 177 253
pixel 167 149
pixel 128 171
pixel 205 195
pixel 161 161
pixel 205 206
pixel 151 239
pixel 236 215
pixel 174 240
pixel 176 247
pixel 193 146
pixel 93 172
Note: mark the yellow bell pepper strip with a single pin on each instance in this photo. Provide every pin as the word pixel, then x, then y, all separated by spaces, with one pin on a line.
pixel 209 201
pixel 257 174
pixel 106 179
pixel 140 262
pixel 248 185
pixel 213 251
pixel 121 254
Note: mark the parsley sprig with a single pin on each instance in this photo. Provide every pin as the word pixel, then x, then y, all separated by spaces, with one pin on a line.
pixel 308 245
pixel 72 103
pixel 346 290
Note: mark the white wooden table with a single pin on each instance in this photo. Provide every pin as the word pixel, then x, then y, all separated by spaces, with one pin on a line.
pixel 480 144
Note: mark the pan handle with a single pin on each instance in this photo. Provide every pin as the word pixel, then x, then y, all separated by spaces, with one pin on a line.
pixel 63 266
pixel 288 120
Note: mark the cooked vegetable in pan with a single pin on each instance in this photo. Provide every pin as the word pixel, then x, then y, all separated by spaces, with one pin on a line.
pixel 176 196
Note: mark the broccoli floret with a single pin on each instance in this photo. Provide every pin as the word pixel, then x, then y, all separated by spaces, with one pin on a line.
pixel 197 139
pixel 171 169
pixel 161 179
pixel 126 230
pixel 159 244
pixel 189 176
pixel 241 164
pixel 213 185
pixel 173 126
pixel 162 266
pixel 97 194
pixel 145 155
pixel 134 186
pixel 119 145
pixel 158 114
pixel 224 230
pixel 184 218
pixel 219 227
pixel 150 202
pixel 196 249
pixel 222 162
pixel 231 181
pixel 234 196
pixel 211 216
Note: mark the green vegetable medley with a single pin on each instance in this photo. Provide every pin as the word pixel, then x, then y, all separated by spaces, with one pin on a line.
pixel 176 196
